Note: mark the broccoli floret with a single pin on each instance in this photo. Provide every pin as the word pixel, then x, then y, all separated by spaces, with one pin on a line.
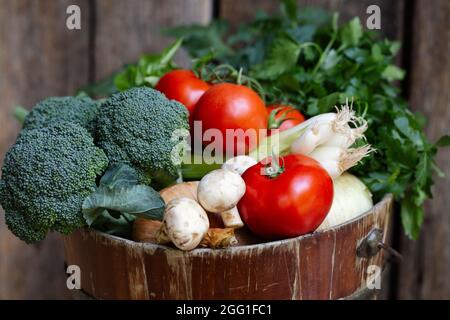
pixel 137 126
pixel 79 110
pixel 46 175
pixel 17 223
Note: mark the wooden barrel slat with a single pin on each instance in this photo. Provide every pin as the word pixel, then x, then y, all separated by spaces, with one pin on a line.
pixel 321 265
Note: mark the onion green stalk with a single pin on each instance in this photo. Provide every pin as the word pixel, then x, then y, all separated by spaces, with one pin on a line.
pixel 327 138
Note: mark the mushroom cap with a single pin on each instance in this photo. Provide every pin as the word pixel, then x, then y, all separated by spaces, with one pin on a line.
pixel 220 190
pixel 239 164
pixel 185 223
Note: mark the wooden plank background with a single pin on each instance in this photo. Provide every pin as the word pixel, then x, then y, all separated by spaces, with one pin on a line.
pixel 39 57
pixel 425 273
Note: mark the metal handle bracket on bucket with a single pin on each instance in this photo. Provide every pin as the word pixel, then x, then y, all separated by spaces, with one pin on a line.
pixel 373 243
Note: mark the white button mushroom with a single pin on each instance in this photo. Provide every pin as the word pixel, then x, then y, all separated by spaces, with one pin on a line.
pixel 219 191
pixel 239 164
pixel 185 223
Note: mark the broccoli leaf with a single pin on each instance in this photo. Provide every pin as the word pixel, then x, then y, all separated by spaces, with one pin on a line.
pixel 119 193
pixel 118 226
pixel 139 200
pixel 119 176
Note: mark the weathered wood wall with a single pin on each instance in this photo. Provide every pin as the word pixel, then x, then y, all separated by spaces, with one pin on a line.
pixel 40 57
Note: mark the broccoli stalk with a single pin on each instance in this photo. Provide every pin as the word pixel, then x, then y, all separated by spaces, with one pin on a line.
pixel 20 113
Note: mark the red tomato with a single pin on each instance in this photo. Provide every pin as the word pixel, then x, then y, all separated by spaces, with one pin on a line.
pixel 232 106
pixel 293 117
pixel 183 86
pixel 291 204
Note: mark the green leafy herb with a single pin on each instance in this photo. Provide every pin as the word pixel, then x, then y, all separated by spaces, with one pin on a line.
pixel 443 141
pixel 392 73
pixel 102 88
pixel 199 41
pixel 282 56
pixel 351 32
pixel 148 70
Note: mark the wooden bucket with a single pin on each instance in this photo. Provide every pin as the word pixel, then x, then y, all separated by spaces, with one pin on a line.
pixel 321 265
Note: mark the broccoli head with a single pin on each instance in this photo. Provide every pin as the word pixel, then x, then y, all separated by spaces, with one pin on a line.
pixel 137 127
pixel 79 110
pixel 46 175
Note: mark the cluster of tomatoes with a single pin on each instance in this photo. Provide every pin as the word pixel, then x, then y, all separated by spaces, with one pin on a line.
pixel 289 203
pixel 226 106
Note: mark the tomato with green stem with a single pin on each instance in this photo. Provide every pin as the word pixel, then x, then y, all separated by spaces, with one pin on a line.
pixel 283 117
pixel 285 198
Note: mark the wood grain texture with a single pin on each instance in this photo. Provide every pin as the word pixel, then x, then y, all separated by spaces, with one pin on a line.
pixel 39 57
pixel 425 271
pixel 321 265
pixel 127 29
pixel 237 11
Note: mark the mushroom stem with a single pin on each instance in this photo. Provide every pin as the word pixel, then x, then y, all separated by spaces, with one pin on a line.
pixel 231 218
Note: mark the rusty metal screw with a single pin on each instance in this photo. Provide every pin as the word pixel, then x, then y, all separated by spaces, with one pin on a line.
pixel 373 243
